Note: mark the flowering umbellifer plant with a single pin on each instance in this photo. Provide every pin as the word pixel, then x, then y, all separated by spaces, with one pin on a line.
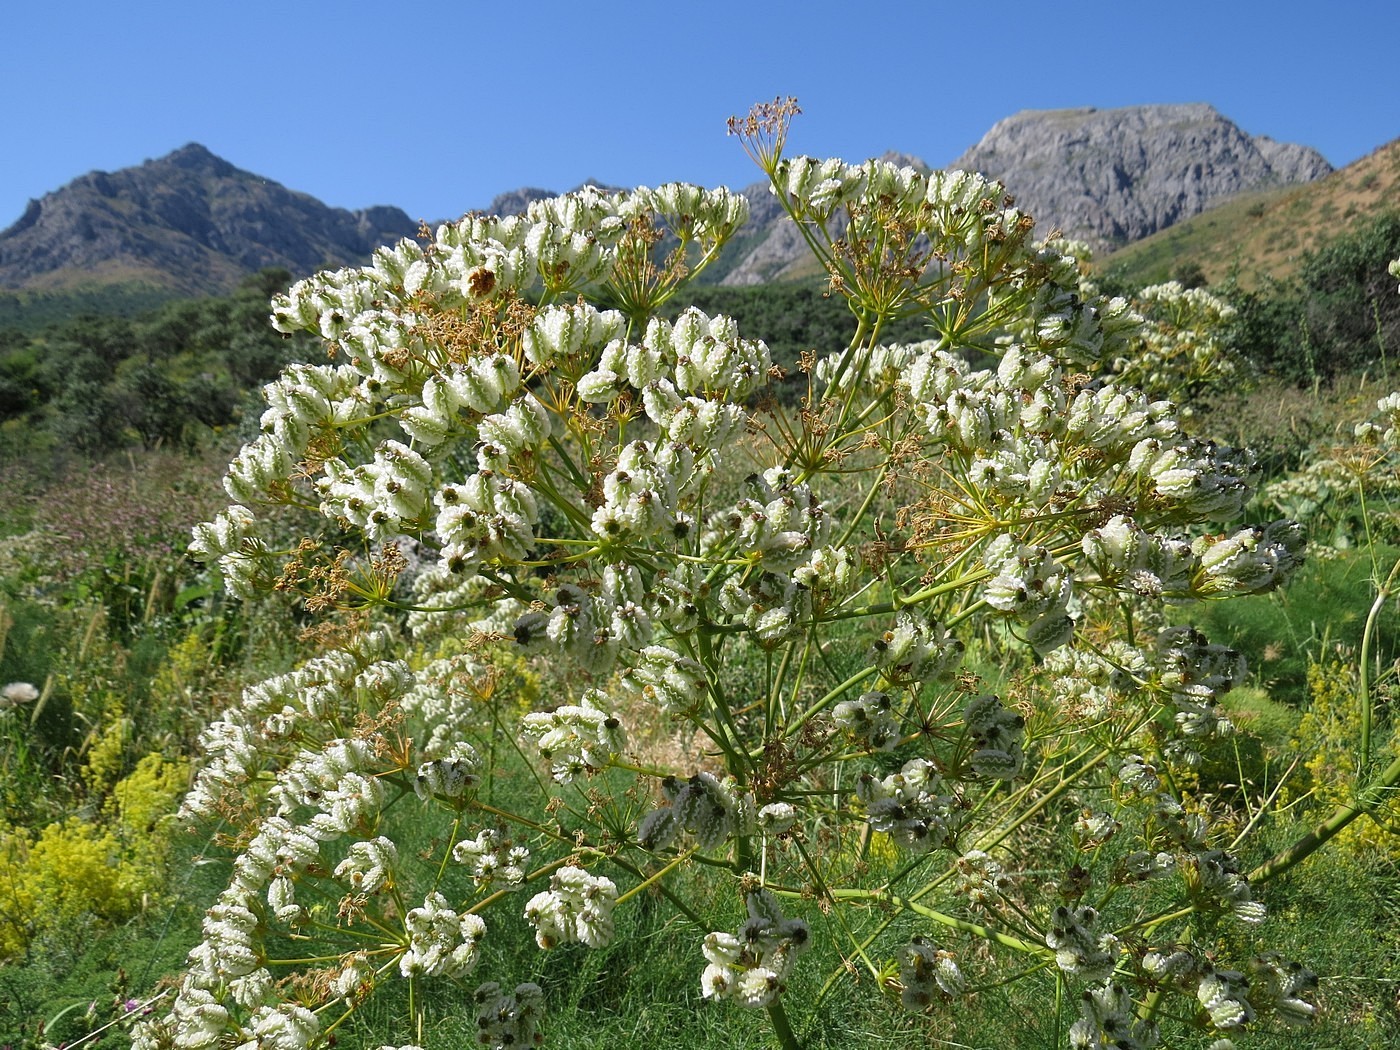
pixel 574 475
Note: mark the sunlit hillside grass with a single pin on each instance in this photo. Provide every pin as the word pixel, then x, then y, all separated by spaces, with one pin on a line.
pixel 1263 234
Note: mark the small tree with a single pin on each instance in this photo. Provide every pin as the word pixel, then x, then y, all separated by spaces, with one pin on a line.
pixel 516 474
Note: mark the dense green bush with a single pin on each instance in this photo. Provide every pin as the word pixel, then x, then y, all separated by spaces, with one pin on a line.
pixel 1338 314
pixel 96 384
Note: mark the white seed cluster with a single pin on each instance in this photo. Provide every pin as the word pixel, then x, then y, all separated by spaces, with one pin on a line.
pixel 554 471
pixel 328 689
pixel 1224 995
pixel 751 966
pixel 701 805
pixel 369 866
pixel 441 942
pixel 871 719
pixel 493 857
pixel 593 627
pixel 925 971
pixel 1079 947
pixel 916 650
pixel 1181 347
pixel 689 372
pixel 575 738
pixel 506 1021
pixel 1368 466
pixel 577 908
pixel 449 776
pixel 1213 877
pixel 673 682
pixel 995 734
pixel 914 806
pixel 980 878
pixel 1108 1021
pixel 446 699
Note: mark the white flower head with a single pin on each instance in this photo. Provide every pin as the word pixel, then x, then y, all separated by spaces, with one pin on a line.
pixel 577 908
pixel 17 693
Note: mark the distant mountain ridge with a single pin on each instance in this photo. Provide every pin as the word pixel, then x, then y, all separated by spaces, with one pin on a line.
pixel 1114 176
pixel 190 222
pixel 193 223
pixel 1103 176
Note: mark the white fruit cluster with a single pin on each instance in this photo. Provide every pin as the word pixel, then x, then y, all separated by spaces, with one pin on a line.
pixel 925 970
pixel 871 719
pixel 575 738
pixel 441 942
pixel 687 372
pixel 752 966
pixel 493 857
pixel 995 734
pixel 1079 947
pixel 703 806
pixel 980 878
pixel 915 650
pixel 508 1021
pixel 1108 1021
pixel 913 806
pixel 577 907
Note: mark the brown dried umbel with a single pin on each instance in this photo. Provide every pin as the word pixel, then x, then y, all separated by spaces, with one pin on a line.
pixel 763 132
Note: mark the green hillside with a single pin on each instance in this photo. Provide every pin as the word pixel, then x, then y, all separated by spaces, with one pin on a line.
pixel 1263 235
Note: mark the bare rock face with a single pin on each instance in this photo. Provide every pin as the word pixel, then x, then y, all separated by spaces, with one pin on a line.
pixel 1104 176
pixel 190 222
pixel 1113 176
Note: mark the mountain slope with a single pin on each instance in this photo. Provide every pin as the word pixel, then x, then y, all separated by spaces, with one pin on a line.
pixel 191 223
pixel 188 222
pixel 1106 177
pixel 1113 176
pixel 1262 235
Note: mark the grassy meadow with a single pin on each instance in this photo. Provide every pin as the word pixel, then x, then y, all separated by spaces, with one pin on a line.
pixel 133 650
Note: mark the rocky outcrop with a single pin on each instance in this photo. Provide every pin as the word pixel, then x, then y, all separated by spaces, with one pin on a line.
pixel 1104 176
pixel 190 222
pixel 1114 176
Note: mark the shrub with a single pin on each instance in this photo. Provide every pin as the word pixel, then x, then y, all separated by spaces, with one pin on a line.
pixel 496 468
pixel 78 870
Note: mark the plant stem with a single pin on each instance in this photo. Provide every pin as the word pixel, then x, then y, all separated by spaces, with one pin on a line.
pixel 1368 798
pixel 1004 939
pixel 1363 688
pixel 781 1028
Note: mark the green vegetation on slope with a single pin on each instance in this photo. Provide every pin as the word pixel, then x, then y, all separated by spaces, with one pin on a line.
pixel 1261 237
pixel 96 383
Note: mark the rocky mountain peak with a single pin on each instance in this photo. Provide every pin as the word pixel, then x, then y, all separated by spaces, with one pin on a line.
pixel 1104 176
pixel 194 157
pixel 1113 176
pixel 189 222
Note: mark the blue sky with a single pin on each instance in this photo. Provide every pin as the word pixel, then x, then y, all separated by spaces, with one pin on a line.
pixel 438 106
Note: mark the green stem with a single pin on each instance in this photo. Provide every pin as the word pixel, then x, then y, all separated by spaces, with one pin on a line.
pixel 781 1028
pixel 1363 688
pixel 647 882
pixel 796 725
pixel 859 516
pixel 995 936
pixel 1367 799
